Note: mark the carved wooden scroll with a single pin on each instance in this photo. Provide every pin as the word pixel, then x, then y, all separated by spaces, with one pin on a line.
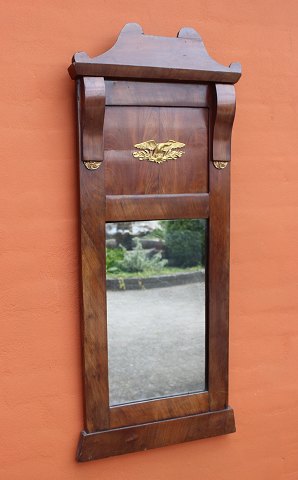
pixel 225 113
pixel 93 110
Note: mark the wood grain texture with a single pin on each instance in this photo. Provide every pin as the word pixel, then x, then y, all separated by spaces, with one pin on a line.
pixel 159 409
pixel 218 286
pixel 92 117
pixel 151 435
pixel 136 55
pixel 126 126
pixel 224 119
pixel 124 93
pixel 152 207
pixel 94 328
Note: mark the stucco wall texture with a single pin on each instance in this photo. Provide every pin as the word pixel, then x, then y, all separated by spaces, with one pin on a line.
pixel 40 405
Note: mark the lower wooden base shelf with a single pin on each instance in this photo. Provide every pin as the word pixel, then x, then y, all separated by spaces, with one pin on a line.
pixel 119 441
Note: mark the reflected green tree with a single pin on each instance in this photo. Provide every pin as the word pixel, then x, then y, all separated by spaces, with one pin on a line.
pixel 185 242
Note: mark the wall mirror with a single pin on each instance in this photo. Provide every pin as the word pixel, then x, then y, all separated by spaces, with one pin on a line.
pixel 155 117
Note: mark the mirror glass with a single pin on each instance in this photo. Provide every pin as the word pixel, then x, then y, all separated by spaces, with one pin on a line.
pixel 155 308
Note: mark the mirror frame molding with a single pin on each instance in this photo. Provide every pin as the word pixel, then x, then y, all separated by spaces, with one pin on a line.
pixel 182 67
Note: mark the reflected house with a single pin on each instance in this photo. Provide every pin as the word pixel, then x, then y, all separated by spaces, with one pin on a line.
pixel 121 233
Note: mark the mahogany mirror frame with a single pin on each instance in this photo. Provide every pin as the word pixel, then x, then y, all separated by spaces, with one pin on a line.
pixel 143 70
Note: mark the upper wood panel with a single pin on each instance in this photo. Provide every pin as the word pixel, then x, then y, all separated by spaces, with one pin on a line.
pixel 121 92
pixel 126 126
pixel 136 55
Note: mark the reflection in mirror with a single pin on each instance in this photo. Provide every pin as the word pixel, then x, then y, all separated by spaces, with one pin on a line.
pixel 155 308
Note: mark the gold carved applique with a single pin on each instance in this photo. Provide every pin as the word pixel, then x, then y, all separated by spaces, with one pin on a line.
pixel 158 152
pixel 220 165
pixel 92 165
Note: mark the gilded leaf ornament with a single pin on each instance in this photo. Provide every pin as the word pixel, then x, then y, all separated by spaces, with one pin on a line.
pixel 92 165
pixel 158 152
pixel 220 165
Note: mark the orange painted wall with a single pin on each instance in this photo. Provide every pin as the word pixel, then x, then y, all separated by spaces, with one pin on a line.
pixel 40 406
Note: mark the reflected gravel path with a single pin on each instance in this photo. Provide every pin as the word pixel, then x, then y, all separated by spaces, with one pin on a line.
pixel 156 342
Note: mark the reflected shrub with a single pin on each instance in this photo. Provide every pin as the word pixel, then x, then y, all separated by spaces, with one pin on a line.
pixel 113 257
pixel 138 260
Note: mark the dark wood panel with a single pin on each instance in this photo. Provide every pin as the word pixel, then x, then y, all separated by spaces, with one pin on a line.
pixel 125 127
pixel 160 409
pixel 145 56
pixel 222 112
pixel 94 327
pixel 151 435
pixel 218 275
pixel 156 207
pixel 120 93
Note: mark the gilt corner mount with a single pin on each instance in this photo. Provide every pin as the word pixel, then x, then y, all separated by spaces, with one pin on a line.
pixel 155 117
